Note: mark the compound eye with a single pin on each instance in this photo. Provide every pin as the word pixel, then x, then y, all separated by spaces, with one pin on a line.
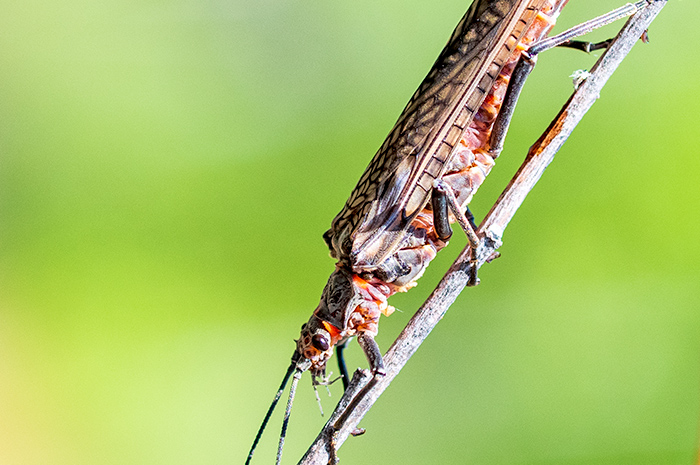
pixel 320 342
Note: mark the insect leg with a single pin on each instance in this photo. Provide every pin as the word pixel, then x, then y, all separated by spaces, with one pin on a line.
pixel 528 59
pixel 372 352
pixel 586 27
pixel 340 353
pixel 464 221
pixel 522 70
pixel 376 363
pixel 470 216
pixel 441 219
pixel 586 46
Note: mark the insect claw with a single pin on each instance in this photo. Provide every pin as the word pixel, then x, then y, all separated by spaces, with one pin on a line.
pixel 645 36
pixel 320 380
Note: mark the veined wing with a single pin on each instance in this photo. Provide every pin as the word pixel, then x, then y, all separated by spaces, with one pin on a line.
pixel 396 185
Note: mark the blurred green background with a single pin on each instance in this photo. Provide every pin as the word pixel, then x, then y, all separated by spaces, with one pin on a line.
pixel 167 169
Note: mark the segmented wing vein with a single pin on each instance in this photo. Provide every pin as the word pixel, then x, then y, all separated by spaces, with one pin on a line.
pixel 397 183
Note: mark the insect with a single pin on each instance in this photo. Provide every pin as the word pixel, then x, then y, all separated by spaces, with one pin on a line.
pixel 423 177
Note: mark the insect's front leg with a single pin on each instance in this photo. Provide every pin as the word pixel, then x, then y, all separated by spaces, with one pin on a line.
pixel 376 363
pixel 372 352
pixel 443 198
pixel 340 354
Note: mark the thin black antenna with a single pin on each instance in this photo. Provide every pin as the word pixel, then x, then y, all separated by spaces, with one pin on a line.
pixel 290 370
pixel 287 413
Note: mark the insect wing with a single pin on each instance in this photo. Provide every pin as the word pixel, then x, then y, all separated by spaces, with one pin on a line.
pixel 396 185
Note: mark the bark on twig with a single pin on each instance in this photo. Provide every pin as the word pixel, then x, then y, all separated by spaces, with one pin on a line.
pixel 363 392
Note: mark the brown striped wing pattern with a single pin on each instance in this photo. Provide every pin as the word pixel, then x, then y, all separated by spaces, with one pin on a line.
pixel 397 183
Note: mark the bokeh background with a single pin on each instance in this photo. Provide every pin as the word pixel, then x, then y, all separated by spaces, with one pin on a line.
pixel 167 169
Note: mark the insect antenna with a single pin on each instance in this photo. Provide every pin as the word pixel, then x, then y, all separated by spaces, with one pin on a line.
pixel 287 375
pixel 287 413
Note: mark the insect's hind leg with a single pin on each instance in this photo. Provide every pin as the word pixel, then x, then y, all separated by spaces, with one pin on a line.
pixel 527 61
pixel 522 70
pixel 587 47
pixel 567 36
pixel 443 196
